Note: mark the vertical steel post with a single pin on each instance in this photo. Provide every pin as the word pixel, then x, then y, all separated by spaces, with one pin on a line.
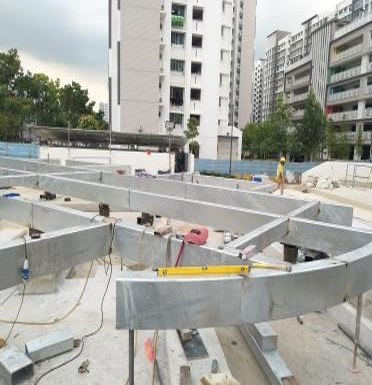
pixel 131 358
pixel 357 333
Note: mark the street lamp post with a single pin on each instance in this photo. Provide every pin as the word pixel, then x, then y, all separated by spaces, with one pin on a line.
pixel 170 126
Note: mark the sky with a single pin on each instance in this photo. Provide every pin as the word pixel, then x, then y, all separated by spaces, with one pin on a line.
pixel 67 39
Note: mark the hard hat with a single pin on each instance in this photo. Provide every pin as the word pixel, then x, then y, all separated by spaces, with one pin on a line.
pixel 282 159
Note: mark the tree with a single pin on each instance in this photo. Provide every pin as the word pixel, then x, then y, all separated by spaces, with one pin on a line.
pixel 331 140
pixel 74 102
pixel 194 148
pixel 191 133
pixel 359 144
pixel 91 122
pixel 10 69
pixel 278 127
pixel 192 129
pixel 310 132
pixel 342 147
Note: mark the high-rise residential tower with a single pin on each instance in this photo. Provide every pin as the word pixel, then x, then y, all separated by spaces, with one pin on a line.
pixel 170 60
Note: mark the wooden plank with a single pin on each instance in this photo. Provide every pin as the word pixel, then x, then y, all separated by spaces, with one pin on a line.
pixel 185 375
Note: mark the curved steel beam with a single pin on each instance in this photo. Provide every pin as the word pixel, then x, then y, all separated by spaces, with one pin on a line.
pixel 147 302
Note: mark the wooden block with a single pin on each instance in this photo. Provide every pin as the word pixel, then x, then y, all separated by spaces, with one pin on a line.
pixel 162 230
pixel 185 375
pixel 186 335
pixel 289 381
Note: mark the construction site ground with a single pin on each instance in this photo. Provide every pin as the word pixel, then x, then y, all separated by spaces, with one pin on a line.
pixel 317 352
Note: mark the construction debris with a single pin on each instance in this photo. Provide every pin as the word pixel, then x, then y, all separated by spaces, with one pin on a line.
pixel 83 368
pixel 320 182
pixel 185 375
pixel 219 379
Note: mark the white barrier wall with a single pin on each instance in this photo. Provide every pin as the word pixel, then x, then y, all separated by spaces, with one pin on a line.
pixel 152 162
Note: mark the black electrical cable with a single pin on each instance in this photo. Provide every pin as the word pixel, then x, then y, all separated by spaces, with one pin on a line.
pixel 20 306
pixel 101 322
pixel 16 319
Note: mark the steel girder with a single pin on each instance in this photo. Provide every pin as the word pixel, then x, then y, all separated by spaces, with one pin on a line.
pixel 145 301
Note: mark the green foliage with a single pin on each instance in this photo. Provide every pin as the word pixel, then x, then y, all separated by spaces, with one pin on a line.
pixel 74 102
pixel 268 139
pixel 337 145
pixel 310 132
pixel 192 129
pixel 91 122
pixel 194 147
pixel 34 98
pixel 342 147
pixel 331 140
pixel 359 144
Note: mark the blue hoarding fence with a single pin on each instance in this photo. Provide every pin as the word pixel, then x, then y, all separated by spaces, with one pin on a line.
pixel 253 167
pixel 19 150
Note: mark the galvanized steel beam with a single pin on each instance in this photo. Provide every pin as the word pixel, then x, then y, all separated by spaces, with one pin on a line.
pixel 53 252
pixel 42 215
pixel 147 302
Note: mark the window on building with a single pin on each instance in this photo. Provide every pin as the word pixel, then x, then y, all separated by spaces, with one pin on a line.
pixel 197 14
pixel 178 10
pixel 195 94
pixel 176 118
pixel 176 96
pixel 196 68
pixel 178 38
pixel 197 41
pixel 177 65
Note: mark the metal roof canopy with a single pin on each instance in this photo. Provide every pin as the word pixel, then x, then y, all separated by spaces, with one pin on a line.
pixel 101 138
pixel 145 301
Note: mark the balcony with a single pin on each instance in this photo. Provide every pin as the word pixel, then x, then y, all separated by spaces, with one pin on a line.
pixel 177 79
pixel 352 136
pixel 299 82
pixel 353 26
pixel 178 22
pixel 345 75
pixel 344 116
pixel 299 114
pixel 298 98
pixel 356 50
pixel 339 96
pixel 368 113
pixel 178 51
pixel 176 106
pixel 368 91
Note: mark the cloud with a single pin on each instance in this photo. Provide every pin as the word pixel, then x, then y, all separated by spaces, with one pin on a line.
pixel 95 82
pixel 59 35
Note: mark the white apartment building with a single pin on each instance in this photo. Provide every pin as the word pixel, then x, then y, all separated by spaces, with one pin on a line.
pixel 276 56
pixel 349 97
pixel 258 82
pixel 307 65
pixel 170 60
